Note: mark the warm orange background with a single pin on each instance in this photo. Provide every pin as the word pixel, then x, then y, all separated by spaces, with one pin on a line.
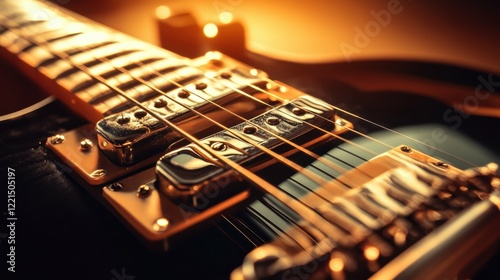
pixel 457 32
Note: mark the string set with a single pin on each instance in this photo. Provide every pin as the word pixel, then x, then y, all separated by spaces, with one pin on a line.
pixel 307 212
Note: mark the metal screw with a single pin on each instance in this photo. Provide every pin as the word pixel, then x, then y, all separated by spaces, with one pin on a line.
pixel 272 121
pixel 249 129
pixel 442 165
pixel 160 103
pixel 201 86
pixel 341 122
pixel 57 139
pixel 161 225
pixel 86 145
pixel 218 146
pixel 115 187
pixel 406 149
pixel 298 111
pixel 140 114
pixel 143 191
pixel 123 119
pixel 98 173
pixel 225 75
pixel 183 93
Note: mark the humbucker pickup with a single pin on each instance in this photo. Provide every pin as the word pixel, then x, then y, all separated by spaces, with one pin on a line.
pixel 132 135
pixel 189 172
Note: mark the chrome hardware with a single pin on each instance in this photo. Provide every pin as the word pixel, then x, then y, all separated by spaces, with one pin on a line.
pixel 143 191
pixel 86 145
pixel 57 139
pixel 115 187
pixel 161 225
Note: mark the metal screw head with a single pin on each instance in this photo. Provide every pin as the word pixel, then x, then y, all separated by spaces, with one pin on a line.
pixel 115 187
pixel 298 111
pixel 249 129
pixel 225 75
pixel 201 86
pixel 57 139
pixel 160 103
pixel 273 121
pixel 161 225
pixel 406 149
pixel 86 145
pixel 218 146
pixel 123 119
pixel 140 114
pixel 143 191
pixel 183 93
pixel 98 173
pixel 442 165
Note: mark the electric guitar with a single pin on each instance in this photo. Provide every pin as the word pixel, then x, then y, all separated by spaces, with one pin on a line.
pixel 213 170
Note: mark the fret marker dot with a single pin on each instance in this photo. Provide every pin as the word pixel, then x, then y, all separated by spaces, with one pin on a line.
pixel 272 121
pixel 183 93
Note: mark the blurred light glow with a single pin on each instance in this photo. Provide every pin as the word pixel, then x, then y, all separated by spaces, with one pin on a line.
pixel 213 55
pixel 163 12
pixel 371 253
pixel 226 17
pixel 210 30
pixel 336 265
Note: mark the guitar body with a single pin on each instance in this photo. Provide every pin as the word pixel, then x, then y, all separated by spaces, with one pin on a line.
pixel 65 233
pixel 62 232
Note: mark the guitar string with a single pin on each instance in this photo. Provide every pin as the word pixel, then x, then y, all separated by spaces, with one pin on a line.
pixel 316 178
pixel 243 234
pixel 276 229
pixel 297 206
pixel 367 121
pixel 375 124
pixel 406 136
pixel 298 147
pixel 238 228
pixel 318 156
pixel 313 155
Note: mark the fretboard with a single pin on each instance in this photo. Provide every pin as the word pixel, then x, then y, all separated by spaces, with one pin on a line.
pixel 83 63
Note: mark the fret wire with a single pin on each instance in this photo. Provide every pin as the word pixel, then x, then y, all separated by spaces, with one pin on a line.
pixel 275 155
pixel 304 210
pixel 321 181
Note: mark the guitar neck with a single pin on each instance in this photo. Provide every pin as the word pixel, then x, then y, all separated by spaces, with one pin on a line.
pixel 78 60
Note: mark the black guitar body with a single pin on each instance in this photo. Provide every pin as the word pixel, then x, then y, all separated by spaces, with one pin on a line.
pixel 62 232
